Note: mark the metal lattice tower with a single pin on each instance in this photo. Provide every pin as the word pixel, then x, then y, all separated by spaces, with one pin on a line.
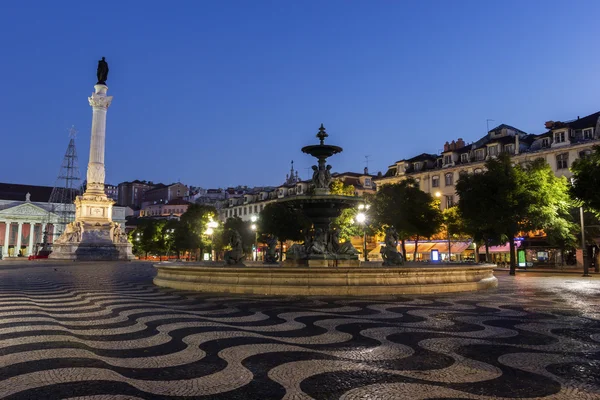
pixel 65 190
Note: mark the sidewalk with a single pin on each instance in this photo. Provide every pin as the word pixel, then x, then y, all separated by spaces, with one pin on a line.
pixel 555 270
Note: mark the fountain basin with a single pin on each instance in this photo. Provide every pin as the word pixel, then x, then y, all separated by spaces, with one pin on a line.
pixel 342 281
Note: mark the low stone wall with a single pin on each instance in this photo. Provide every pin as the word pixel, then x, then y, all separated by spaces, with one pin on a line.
pixel 325 281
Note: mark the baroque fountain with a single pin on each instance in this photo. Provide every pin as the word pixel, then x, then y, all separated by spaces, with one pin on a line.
pixel 322 265
pixel 321 247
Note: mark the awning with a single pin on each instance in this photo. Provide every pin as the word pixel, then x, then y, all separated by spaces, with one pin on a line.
pixel 427 246
pixel 505 248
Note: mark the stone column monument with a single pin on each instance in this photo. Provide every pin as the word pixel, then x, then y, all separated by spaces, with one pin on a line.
pixel 93 235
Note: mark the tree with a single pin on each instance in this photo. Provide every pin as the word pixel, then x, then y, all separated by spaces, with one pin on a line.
pixel 282 221
pixel 243 228
pixel 337 186
pixel 506 200
pixel 453 224
pixel 148 237
pixel 411 211
pixel 586 174
pixel 346 222
pixel 189 235
pixel 473 206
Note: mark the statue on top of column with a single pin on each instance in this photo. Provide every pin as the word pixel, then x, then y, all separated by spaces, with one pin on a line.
pixel 102 72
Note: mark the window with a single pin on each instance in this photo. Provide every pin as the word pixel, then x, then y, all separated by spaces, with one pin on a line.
pixel 493 150
pixel 255 209
pixel 478 170
pixel 418 183
pixel 299 189
pixel 562 161
pixel 448 159
pixel 435 181
pixel 449 201
pixel 509 148
pixel 418 166
pixel 559 137
pixel 588 133
pixel 245 210
pixel 368 182
pixel 480 154
pixel 545 142
pixel 462 173
pixel 449 178
pixel 261 207
pixel 464 158
pixel 585 153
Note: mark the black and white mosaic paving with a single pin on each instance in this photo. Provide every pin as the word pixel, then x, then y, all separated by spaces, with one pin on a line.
pixel 103 331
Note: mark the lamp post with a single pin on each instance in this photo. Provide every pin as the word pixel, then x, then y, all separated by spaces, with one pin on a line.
pixel 168 233
pixel 586 267
pixel 438 195
pixel 361 218
pixel 211 225
pixel 254 218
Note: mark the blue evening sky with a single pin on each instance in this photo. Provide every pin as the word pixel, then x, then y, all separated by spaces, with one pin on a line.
pixel 220 93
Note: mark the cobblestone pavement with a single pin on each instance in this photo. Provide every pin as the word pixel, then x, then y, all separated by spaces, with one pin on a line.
pixel 103 331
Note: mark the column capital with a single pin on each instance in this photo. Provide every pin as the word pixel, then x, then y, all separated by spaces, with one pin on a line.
pixel 100 99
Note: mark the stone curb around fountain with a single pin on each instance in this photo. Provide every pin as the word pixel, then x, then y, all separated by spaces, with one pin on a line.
pixel 341 281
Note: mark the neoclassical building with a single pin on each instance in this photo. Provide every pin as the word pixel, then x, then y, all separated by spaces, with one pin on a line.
pixel 561 144
pixel 25 214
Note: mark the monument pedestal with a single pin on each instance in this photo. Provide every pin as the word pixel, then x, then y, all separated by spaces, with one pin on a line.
pixel 95 243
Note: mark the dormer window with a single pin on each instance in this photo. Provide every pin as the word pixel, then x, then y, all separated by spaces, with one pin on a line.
pixel 448 159
pixel 464 158
pixel 588 133
pixel 368 182
pixel 418 166
pixel 545 142
pixel 509 148
pixel 299 189
pixel 493 151
pixel 559 137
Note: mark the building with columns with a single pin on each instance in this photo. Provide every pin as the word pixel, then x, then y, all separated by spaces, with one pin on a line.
pixel 25 214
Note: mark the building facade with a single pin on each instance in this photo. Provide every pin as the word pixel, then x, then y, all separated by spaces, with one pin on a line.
pixel 165 193
pixel 131 194
pixel 171 209
pixel 437 174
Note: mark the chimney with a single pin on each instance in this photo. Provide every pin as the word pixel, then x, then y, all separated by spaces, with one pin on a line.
pixel 453 145
pixel 517 144
pixel 549 124
pixel 460 143
pixel 446 146
pixel 366 171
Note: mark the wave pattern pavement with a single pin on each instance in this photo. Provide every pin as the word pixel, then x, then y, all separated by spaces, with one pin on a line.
pixel 103 331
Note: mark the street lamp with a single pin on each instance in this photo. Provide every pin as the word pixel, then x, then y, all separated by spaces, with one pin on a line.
pixel 361 218
pixel 586 267
pixel 254 218
pixel 168 233
pixel 210 227
pixel 438 194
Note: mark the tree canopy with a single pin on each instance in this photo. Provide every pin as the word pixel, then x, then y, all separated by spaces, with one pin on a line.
pixel 586 174
pixel 346 222
pixel 506 200
pixel 282 221
pixel 414 213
